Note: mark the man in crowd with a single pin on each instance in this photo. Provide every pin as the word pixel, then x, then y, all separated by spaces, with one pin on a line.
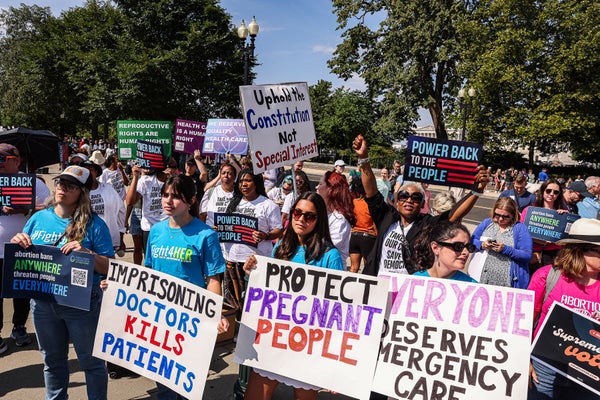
pixel 590 207
pixel 573 194
pixel 12 221
pixel 519 193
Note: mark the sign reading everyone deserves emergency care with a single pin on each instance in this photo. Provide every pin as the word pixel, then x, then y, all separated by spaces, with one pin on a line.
pixel 451 340
pixel 129 132
pixel 158 326
pixel 279 123
pixel 312 324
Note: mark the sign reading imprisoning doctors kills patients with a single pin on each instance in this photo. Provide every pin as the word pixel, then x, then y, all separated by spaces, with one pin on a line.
pixel 279 123
pixel 442 162
pixel 129 132
pixel 452 340
pixel 46 273
pixel 315 325
pixel 158 326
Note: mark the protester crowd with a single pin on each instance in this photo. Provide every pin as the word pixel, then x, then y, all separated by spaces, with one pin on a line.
pixel 367 224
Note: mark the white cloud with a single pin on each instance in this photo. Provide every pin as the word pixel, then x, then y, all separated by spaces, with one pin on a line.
pixel 319 48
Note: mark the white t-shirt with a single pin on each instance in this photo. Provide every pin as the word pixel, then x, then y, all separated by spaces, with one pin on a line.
pixel 269 218
pixel 149 188
pixel 392 257
pixel 340 229
pixel 214 201
pixel 115 179
pixel 10 225
pixel 288 202
pixel 109 206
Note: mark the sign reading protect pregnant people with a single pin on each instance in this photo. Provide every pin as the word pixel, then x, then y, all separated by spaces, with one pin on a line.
pixel 158 326
pixel 279 123
pixel 312 324
pixel 236 228
pixel 17 190
pixel 569 343
pixel 446 339
pixel 442 162
pixel 45 273
pixel 225 136
pixel 549 225
pixel 129 132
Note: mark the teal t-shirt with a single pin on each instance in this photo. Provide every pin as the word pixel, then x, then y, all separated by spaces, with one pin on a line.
pixel 458 276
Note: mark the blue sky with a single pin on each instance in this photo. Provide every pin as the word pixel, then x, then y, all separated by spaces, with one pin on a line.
pixel 294 43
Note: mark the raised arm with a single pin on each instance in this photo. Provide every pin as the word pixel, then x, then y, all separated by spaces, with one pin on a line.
pixel 359 145
pixel 464 206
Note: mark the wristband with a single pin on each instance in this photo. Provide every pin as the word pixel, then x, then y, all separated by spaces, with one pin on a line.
pixel 474 193
pixel 361 161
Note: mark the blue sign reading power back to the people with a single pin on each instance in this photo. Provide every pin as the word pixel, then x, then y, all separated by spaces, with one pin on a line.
pixel 45 273
pixel 442 162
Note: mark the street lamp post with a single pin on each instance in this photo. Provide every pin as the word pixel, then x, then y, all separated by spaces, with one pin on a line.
pixel 465 108
pixel 248 48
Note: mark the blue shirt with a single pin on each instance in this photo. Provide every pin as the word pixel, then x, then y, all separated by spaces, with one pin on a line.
pixel 45 227
pixel 458 276
pixel 524 200
pixel 190 253
pixel 331 259
pixel 588 208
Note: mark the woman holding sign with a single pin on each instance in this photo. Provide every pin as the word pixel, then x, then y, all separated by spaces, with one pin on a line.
pixel 69 224
pixel 200 261
pixel 307 242
pixel 574 281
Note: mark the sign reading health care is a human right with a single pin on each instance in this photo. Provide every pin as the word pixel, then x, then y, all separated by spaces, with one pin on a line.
pixel 442 162
pixel 279 123
pixel 315 325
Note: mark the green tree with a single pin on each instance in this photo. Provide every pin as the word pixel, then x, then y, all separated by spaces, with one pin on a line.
pixel 408 62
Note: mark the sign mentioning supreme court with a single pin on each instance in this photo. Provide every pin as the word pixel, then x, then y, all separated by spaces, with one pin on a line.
pixel 442 162
pixel 158 326
pixel 189 136
pixel 313 324
pixel 447 339
pixel 546 224
pixel 279 123
pixel 17 190
pixel 129 132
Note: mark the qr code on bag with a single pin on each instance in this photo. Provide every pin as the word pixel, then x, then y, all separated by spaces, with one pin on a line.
pixel 79 277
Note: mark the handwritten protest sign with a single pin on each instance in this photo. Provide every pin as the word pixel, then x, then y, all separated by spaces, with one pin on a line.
pixel 312 324
pixel 129 132
pixel 17 190
pixel 158 326
pixel 549 225
pixel 236 228
pixel 225 136
pixel 569 343
pixel 45 273
pixel 447 339
pixel 150 155
pixel 280 124
pixel 189 136
pixel 442 162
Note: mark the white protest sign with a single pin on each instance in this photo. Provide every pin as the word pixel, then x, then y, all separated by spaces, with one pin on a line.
pixel 454 340
pixel 279 124
pixel 312 324
pixel 158 326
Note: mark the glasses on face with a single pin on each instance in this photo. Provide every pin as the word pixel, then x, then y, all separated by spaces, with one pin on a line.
pixel 404 195
pixel 3 159
pixel 552 191
pixel 502 216
pixel 458 246
pixel 591 248
pixel 66 186
pixel 308 216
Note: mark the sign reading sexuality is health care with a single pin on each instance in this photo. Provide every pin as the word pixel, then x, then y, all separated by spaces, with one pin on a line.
pixel 129 132
pixel 158 326
pixel 17 190
pixel 442 162
pixel 236 228
pixel 569 343
pixel 45 273
pixel 225 136
pixel 149 155
pixel 447 339
pixel 312 324
pixel 189 136
pixel 549 225
pixel 280 124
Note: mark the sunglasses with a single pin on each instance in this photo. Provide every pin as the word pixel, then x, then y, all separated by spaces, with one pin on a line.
pixel 308 216
pixel 66 186
pixel 4 158
pixel 404 195
pixel 459 246
pixel 502 216
pixel 552 191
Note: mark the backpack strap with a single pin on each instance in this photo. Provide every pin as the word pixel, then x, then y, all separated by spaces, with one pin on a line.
pixel 551 280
